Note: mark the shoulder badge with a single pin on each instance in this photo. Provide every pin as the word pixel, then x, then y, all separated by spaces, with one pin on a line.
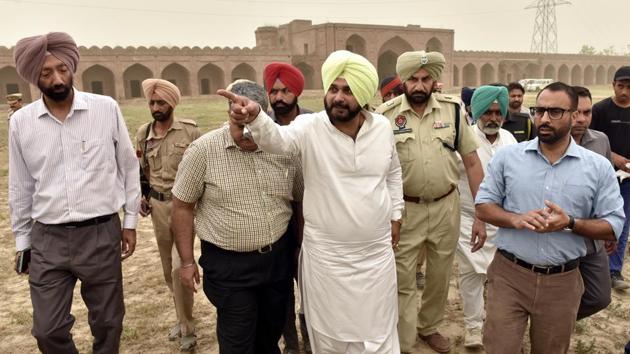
pixel 188 121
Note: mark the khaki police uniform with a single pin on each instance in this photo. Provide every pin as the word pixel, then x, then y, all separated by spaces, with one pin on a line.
pixel 160 161
pixel 425 146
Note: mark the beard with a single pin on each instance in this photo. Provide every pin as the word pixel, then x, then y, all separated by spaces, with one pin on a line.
pixel 515 104
pixel 348 116
pixel 490 128
pixel 554 135
pixel 281 108
pixel 162 116
pixel 58 92
pixel 417 97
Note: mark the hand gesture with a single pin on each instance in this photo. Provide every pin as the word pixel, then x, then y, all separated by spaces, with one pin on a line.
pixel 534 220
pixel 557 219
pixel 242 109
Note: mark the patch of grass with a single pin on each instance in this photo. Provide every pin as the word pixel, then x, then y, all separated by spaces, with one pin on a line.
pixel 22 318
pixel 584 348
pixel 581 326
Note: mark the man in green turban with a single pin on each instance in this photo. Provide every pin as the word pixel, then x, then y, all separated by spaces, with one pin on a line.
pixel 352 206
pixel 431 132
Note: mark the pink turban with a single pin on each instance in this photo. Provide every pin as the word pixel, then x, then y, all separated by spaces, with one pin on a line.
pixel 165 89
pixel 30 54
pixel 288 74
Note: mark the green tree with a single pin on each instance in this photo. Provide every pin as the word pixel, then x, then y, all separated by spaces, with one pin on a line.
pixel 608 51
pixel 588 49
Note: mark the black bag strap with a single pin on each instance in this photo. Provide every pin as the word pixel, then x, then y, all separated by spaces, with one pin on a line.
pixel 146 136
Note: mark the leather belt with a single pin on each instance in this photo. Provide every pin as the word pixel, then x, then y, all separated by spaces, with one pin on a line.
pixel 419 200
pixel 570 265
pixel 163 197
pixel 89 222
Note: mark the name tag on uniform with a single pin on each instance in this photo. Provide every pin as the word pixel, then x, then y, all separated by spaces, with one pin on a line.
pixel 440 125
pixel 402 131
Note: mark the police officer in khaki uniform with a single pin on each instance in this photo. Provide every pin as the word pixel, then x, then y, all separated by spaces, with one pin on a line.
pixel 14 100
pixel 161 145
pixel 429 130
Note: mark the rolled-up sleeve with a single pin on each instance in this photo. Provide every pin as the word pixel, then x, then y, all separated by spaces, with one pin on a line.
pixel 492 188
pixel 608 201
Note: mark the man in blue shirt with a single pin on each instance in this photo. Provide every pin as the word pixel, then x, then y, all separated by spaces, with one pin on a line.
pixel 542 226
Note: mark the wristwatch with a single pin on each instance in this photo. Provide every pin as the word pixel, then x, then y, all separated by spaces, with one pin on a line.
pixel 571 224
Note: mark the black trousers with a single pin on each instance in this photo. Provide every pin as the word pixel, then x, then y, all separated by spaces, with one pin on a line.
pixel 596 277
pixel 250 291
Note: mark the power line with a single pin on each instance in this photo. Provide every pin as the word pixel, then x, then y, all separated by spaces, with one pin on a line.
pixel 545 35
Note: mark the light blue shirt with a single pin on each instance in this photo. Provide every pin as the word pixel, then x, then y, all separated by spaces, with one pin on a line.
pixel 519 178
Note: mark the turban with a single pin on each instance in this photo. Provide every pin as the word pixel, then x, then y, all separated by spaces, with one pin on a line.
pixel 484 96
pixel 410 62
pixel 165 89
pixel 288 74
pixel 466 95
pixel 388 84
pixel 356 70
pixel 30 54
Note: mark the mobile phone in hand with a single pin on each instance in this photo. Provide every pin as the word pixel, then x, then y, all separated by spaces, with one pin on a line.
pixel 21 266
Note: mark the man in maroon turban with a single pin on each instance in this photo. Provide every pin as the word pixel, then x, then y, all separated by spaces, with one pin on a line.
pixel 284 84
pixel 72 169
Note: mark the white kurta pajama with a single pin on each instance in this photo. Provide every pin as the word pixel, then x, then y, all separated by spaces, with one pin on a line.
pixel 473 266
pixel 352 191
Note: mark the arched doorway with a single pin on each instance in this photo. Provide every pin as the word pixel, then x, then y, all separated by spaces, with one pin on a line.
pixel 244 71
pixel 563 74
pixel 11 82
pixel 356 44
pixel 179 76
pixel 210 78
pixel 576 75
pixel 308 72
pixel 600 75
pixel 589 76
pixel 470 75
pixel 388 54
pixel 99 80
pixel 487 74
pixel 133 77
pixel 550 72
pixel 434 45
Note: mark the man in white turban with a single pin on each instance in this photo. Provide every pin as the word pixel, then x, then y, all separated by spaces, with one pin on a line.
pixel 352 208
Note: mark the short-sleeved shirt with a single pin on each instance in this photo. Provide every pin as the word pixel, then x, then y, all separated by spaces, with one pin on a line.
pixel 243 198
pixel 519 178
pixel 614 121
pixel 429 168
pixel 164 153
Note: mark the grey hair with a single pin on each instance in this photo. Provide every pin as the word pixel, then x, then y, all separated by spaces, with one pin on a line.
pixel 251 90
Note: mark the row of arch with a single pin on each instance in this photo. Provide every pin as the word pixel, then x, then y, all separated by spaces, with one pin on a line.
pixel 472 75
pixel 101 80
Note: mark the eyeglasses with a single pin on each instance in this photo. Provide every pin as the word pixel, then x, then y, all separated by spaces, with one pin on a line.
pixel 553 112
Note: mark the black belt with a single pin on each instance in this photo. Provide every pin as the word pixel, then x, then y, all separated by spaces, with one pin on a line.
pixel 419 200
pixel 89 222
pixel 570 265
pixel 163 197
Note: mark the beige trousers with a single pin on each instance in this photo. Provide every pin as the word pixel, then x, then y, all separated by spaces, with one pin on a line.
pixel 183 298
pixel 433 227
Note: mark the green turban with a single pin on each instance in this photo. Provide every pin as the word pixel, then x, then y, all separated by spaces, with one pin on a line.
pixel 410 62
pixel 484 96
pixel 356 70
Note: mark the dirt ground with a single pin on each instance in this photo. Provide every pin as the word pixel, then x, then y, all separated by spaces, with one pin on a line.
pixel 150 312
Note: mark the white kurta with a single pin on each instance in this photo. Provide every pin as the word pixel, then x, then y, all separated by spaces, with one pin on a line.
pixel 478 261
pixel 352 191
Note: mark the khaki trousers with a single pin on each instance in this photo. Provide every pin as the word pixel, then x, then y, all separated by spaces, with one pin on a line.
pixel 516 294
pixel 183 298
pixel 434 227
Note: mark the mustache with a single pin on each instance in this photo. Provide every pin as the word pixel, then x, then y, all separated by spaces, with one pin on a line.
pixel 491 125
pixel 544 126
pixel 339 105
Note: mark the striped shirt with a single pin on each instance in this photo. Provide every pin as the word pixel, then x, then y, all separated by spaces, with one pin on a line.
pixel 243 198
pixel 73 170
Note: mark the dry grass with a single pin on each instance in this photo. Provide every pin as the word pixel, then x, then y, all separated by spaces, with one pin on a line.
pixel 150 313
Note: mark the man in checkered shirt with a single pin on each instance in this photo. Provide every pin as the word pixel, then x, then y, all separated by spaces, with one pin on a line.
pixel 240 199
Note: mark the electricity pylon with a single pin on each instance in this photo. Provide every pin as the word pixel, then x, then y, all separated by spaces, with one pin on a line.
pixel 545 36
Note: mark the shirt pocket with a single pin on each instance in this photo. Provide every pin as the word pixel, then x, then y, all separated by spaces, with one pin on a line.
pixel 443 140
pixel 176 154
pixel 95 155
pixel 154 159
pixel 577 199
pixel 405 144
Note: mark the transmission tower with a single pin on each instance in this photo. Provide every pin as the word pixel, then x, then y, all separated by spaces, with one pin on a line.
pixel 545 36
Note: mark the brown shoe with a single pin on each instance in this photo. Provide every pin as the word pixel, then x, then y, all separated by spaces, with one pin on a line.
pixel 437 342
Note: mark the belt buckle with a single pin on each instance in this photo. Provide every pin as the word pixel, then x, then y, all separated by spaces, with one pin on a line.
pixel 265 249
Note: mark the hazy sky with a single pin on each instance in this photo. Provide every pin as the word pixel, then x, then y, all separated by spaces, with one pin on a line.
pixel 480 25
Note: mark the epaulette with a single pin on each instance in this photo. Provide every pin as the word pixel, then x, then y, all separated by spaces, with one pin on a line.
pixel 386 106
pixel 447 98
pixel 188 121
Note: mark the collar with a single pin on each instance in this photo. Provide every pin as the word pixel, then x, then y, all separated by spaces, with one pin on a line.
pixel 79 103
pixel 228 141
pixel 587 137
pixel 177 125
pixel 431 105
pixel 573 150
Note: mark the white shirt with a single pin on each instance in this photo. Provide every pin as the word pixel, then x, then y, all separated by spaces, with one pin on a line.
pixel 73 170
pixel 352 189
